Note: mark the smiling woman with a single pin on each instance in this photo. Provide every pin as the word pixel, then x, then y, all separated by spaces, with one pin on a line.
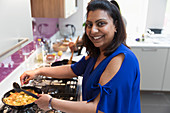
pixel 110 71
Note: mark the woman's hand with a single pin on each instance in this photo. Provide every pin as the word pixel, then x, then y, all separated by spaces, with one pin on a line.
pixel 27 76
pixel 43 101
pixel 72 46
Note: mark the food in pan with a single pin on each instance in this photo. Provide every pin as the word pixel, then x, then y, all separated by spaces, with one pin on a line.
pixel 19 99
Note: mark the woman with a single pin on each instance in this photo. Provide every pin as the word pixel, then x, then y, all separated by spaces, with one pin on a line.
pixel 111 77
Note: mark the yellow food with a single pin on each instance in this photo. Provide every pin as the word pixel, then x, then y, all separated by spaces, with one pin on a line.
pixel 60 53
pixel 19 99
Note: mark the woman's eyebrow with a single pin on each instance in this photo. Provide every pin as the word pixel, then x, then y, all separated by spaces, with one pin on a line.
pixel 99 20
pixel 95 21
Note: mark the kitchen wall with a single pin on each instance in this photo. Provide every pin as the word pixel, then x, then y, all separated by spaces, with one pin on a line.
pixel 9 64
pixel 143 14
pixel 78 18
pixel 156 13
pixel 13 61
pixel 45 27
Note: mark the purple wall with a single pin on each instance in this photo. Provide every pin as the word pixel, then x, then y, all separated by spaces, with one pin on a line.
pixel 12 62
pixel 47 27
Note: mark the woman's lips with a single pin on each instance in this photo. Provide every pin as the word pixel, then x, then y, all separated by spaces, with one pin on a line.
pixel 97 37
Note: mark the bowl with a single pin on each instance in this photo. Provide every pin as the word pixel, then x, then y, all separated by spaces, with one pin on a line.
pixel 59 47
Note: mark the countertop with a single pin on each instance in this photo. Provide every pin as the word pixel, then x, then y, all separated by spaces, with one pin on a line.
pixel 157 40
pixel 67 54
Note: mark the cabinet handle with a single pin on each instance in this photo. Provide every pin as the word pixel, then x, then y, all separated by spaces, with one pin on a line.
pixel 149 49
pixel 21 41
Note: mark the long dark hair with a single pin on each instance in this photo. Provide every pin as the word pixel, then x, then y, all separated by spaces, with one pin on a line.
pixel 120 35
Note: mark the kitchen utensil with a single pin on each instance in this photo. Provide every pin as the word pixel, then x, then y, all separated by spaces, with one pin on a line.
pixel 67 30
pixel 59 47
pixel 73 29
pixel 62 62
pixel 19 89
pixel 72 52
pixel 7 94
pixel 70 61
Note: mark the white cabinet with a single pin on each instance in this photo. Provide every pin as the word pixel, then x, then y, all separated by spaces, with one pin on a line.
pixel 152 63
pixel 166 84
pixel 15 24
pixel 70 7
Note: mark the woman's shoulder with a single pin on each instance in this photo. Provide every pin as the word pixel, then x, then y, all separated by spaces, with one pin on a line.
pixel 112 68
pixel 126 51
pixel 87 57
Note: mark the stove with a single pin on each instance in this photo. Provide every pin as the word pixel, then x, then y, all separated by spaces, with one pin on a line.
pixel 66 89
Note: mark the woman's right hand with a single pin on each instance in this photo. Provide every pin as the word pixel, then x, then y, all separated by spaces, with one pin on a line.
pixel 27 76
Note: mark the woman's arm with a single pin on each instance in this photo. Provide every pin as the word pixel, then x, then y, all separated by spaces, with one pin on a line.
pixel 64 71
pixel 74 106
pixel 67 106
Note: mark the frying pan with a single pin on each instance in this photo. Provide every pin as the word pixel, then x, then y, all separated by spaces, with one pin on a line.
pixel 37 90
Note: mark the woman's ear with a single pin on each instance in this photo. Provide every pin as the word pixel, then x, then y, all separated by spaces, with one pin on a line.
pixel 115 23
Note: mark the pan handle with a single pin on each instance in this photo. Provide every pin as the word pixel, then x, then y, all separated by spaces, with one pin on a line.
pixel 29 93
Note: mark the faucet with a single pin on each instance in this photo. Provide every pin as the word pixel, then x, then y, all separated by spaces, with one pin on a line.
pixel 149 32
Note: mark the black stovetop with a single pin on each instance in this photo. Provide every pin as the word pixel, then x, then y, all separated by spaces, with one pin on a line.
pixel 66 89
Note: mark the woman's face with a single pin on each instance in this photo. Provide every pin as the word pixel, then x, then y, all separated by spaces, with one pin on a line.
pixel 100 28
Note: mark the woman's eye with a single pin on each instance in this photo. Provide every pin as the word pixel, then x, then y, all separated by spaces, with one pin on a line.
pixel 100 24
pixel 89 25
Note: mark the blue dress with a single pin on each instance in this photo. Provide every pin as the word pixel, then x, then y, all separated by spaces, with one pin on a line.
pixel 122 93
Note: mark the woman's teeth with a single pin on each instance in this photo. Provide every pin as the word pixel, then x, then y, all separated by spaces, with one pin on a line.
pixel 97 37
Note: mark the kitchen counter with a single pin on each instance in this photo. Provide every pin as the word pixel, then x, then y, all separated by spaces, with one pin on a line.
pixel 67 54
pixel 152 54
pixel 157 40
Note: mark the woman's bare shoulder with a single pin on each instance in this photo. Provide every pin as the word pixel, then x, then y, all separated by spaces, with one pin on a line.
pixel 112 68
pixel 87 57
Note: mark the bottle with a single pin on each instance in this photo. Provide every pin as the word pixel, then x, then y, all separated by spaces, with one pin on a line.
pixel 39 50
pixel 143 37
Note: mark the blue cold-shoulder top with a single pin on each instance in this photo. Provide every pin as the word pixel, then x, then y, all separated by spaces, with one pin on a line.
pixel 122 93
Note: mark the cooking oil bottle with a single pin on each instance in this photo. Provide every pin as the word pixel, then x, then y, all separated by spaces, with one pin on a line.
pixel 39 50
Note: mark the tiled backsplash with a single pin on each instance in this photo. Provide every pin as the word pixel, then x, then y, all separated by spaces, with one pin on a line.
pixel 12 62
pixel 46 27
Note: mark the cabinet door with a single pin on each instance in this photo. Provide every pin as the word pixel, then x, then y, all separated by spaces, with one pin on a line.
pixel 53 8
pixel 166 84
pixel 37 8
pixel 152 64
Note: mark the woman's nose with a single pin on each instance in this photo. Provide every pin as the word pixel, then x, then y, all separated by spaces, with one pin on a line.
pixel 94 29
